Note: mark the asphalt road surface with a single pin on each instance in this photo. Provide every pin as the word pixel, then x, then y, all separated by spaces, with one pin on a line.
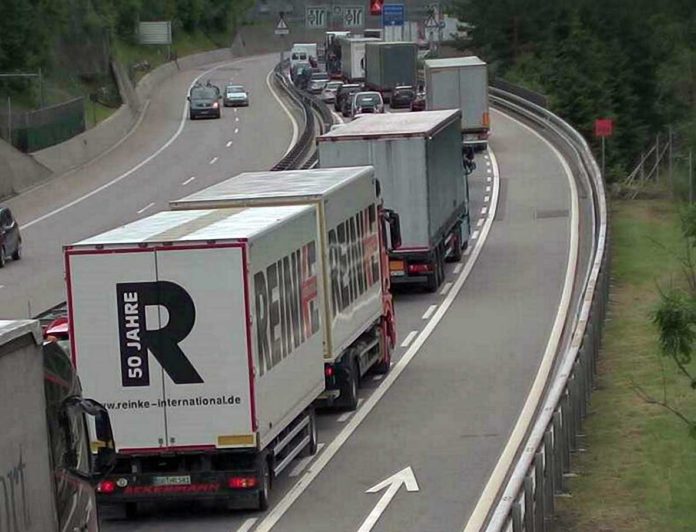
pixel 467 355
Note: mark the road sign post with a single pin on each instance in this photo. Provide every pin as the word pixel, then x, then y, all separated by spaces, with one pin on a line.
pixel 604 127
pixel 282 26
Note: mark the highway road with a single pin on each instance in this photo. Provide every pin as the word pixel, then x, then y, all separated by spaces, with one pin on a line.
pixel 467 355
pixel 179 156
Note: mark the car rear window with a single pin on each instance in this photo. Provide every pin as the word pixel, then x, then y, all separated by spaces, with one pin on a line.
pixel 367 98
pixel 207 93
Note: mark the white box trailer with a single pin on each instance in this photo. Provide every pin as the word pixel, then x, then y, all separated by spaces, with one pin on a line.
pixel 461 83
pixel 353 57
pixel 45 478
pixel 358 304
pixel 418 161
pixel 200 331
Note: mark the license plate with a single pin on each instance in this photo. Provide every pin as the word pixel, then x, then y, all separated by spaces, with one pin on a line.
pixel 172 481
pixel 396 266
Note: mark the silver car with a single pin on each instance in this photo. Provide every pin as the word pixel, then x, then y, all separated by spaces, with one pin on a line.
pixel 317 82
pixel 235 95
pixel 328 95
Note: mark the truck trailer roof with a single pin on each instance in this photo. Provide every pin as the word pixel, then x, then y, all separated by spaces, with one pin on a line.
pixel 286 186
pixel 455 62
pixel 13 329
pixel 197 225
pixel 421 124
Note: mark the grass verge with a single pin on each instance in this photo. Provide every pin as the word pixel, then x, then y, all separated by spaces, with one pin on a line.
pixel 639 469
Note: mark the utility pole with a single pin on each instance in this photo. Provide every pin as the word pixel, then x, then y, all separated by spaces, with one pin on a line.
pixel 671 182
pixel 691 176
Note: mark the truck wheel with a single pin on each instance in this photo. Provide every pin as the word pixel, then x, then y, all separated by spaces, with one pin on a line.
pixel 3 258
pixel 435 280
pixel 349 393
pixel 265 488
pixel 311 448
pixel 131 510
pixel 383 366
pixel 17 255
pixel 456 255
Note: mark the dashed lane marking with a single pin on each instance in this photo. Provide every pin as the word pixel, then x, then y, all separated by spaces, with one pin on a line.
pixel 213 160
pixel 409 338
pixel 304 462
pixel 429 312
pixel 446 288
pixel 146 207
pixel 189 180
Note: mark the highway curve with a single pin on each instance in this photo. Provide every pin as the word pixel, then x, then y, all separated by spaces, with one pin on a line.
pixel 73 207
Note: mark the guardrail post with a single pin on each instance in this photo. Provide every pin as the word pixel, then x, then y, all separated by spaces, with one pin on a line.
pixel 582 381
pixel 528 487
pixel 558 452
pixel 573 399
pixel 549 473
pixel 566 417
pixel 539 493
pixel 516 517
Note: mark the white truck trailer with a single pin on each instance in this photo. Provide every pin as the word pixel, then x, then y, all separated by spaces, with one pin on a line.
pixel 352 229
pixel 200 332
pixel 461 83
pixel 353 57
pixel 47 475
pixel 418 161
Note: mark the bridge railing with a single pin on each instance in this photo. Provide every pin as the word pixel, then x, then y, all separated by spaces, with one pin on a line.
pixel 539 472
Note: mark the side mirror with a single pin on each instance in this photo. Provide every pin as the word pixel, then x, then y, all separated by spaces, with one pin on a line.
pixel 392 218
pixel 105 459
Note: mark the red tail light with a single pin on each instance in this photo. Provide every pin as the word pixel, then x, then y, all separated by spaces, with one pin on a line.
pixel 328 371
pixel 241 482
pixel 420 268
pixel 106 486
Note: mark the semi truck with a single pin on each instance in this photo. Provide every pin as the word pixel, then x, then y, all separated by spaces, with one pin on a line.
pixel 418 161
pixel 304 53
pixel 353 57
pixel 461 83
pixel 354 231
pixel 201 333
pixel 390 64
pixel 48 472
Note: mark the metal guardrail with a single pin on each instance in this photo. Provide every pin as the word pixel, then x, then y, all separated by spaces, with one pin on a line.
pixel 526 499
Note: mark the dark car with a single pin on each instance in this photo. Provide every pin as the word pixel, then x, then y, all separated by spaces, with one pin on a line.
pixel 10 239
pixel 346 91
pixel 418 103
pixel 402 97
pixel 367 102
pixel 204 100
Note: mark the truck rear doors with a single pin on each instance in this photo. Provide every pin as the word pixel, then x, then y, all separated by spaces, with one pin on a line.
pixel 156 336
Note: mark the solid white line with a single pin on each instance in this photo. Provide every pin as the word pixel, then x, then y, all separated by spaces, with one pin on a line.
pixel 486 199
pixel 246 525
pixel 146 207
pixel 474 235
pixel 236 130
pixel 295 127
pixel 229 143
pixel 137 167
pixel 345 417
pixel 192 178
pixel 429 312
pixel 480 222
pixel 485 209
pixel 506 458
pixel 445 289
pixel 304 462
pixel 213 160
pixel 303 483
pixel 409 338
pixel 488 188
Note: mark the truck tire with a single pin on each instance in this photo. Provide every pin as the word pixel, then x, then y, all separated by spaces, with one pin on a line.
pixel 265 488
pixel 383 366
pixel 17 255
pixel 349 393
pixel 435 280
pixel 457 250
pixel 3 258
pixel 311 448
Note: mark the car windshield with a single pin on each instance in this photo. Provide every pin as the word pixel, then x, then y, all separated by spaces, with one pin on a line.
pixel 367 99
pixel 203 93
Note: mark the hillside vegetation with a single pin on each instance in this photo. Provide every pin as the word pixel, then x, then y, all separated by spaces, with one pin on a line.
pixel 631 60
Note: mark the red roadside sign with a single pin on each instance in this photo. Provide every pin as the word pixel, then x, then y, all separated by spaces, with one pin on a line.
pixel 604 127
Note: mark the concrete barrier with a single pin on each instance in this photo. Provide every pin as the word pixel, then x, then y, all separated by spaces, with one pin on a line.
pixel 18 171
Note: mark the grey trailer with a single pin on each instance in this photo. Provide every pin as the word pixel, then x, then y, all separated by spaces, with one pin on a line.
pixel 390 64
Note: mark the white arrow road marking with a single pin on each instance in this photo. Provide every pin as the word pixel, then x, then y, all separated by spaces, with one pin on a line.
pixel 394 483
